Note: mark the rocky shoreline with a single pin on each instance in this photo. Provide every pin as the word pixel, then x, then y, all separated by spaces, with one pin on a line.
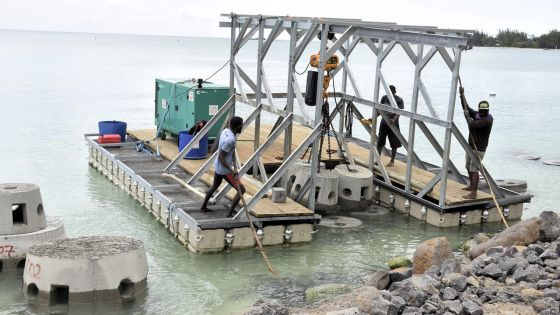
pixel 517 271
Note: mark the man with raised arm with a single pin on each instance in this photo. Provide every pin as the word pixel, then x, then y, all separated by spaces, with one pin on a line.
pixel 480 125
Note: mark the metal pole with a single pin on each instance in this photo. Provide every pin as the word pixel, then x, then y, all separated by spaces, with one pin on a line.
pixel 315 154
pixel 232 62
pixel 450 112
pixel 412 125
pixel 342 115
pixel 290 98
pixel 258 95
pixel 373 134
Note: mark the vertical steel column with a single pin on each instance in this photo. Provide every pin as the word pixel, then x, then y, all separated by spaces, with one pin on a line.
pixel 315 154
pixel 258 96
pixel 232 62
pixel 450 112
pixel 412 124
pixel 290 98
pixel 373 134
pixel 342 114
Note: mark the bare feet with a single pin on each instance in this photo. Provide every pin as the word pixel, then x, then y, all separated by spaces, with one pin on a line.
pixel 390 164
pixel 467 188
pixel 472 195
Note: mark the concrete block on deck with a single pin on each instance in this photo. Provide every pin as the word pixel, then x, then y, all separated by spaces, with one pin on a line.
pixel 278 195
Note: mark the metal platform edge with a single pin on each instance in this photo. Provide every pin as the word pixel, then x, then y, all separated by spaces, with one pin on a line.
pixel 205 235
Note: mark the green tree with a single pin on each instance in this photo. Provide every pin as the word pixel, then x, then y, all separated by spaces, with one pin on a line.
pixel 549 40
pixel 513 38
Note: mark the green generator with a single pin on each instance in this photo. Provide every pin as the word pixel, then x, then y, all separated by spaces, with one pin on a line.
pixel 180 105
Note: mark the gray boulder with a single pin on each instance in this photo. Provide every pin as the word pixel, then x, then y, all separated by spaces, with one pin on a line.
pixel 411 310
pixel 529 274
pixel 554 263
pixel 550 226
pixel 523 233
pixel 416 290
pixel 471 308
pixel 552 293
pixel 533 258
pixel 537 248
pixel 429 307
pixel 492 271
pixel 454 307
pixel 449 294
pixel 399 302
pixel 546 303
pixel 543 284
pixel 456 281
pixel 449 266
pixel 266 307
pixel 379 279
pixel 400 274
pixel 549 254
pixel 509 265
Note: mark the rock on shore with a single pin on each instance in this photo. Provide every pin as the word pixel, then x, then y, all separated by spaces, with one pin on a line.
pixel 515 272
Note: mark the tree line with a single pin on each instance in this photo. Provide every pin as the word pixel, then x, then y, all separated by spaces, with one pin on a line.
pixel 514 38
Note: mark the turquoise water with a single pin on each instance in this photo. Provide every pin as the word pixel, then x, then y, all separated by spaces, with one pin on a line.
pixel 56 86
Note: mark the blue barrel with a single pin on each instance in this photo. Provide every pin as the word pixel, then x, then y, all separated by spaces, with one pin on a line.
pixel 198 152
pixel 113 127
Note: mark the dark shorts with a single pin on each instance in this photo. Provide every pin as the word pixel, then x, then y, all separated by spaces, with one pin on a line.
pixel 386 132
pixel 232 180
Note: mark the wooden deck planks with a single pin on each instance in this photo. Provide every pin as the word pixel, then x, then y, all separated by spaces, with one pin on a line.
pixel 264 208
pixel 273 157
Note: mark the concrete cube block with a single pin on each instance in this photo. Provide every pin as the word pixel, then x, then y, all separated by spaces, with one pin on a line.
pixel 278 195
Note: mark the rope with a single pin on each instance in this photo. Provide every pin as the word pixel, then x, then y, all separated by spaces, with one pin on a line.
pixel 482 170
pixel 253 230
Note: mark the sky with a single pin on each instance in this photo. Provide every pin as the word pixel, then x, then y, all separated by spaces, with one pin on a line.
pixel 201 18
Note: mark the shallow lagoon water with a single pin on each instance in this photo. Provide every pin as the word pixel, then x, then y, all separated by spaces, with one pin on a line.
pixel 56 86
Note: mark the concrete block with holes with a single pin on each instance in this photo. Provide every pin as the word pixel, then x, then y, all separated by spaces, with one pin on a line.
pixel 355 185
pixel 23 223
pixel 85 269
pixel 326 192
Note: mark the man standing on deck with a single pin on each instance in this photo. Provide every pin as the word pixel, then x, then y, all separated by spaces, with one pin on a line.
pixel 480 125
pixel 386 132
pixel 223 165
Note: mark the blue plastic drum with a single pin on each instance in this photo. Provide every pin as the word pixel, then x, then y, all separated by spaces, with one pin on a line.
pixel 113 127
pixel 198 152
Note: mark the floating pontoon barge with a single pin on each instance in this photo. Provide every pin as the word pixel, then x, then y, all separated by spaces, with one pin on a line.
pixel 171 187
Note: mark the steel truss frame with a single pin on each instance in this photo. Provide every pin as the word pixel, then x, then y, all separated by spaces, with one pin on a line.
pixel 381 38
